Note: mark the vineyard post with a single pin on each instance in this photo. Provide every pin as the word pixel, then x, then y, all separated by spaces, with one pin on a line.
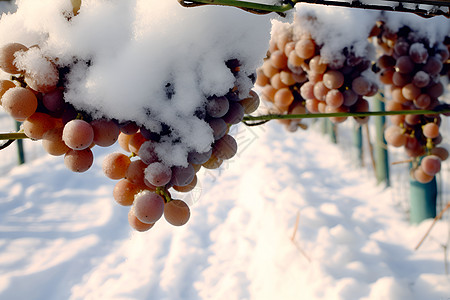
pixel 20 152
pixel 358 144
pixel 381 152
pixel 422 200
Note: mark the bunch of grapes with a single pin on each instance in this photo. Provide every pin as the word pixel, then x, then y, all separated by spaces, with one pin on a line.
pixel 297 77
pixel 145 181
pixel 281 77
pixel 412 67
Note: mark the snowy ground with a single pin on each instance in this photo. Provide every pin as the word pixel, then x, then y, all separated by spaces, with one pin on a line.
pixel 63 237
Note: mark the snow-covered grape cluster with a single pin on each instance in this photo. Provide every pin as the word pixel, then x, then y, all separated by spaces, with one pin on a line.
pixel 412 67
pixel 35 95
pixel 304 73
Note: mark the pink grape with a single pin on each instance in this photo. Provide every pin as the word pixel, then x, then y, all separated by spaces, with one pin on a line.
pixel 158 174
pixel 79 160
pixel 106 132
pixel 136 224
pixel 7 57
pixel 430 130
pixel 148 207
pixel 431 164
pixel 19 102
pixel 78 134
pixel 177 212
pixel 115 165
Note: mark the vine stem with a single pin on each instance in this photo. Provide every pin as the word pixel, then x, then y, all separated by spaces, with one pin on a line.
pixel 269 117
pixel 410 6
pixel 13 136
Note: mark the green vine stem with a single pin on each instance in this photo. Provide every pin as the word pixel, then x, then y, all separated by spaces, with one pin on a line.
pixel 163 193
pixel 269 117
pixel 13 136
pixel 411 6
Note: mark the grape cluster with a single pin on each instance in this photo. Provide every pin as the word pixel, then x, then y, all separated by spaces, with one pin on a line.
pixel 412 67
pixel 145 181
pixel 297 78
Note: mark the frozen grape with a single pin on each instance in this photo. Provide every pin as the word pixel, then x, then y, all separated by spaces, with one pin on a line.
pixel 333 79
pixel 225 148
pixel 158 174
pixel 177 212
pixel 394 136
pixel 115 165
pixel 182 176
pixel 148 207
pixel 431 164
pixel 305 48
pixel 37 124
pixel 124 192
pixel 217 107
pixel 53 143
pixel 430 130
pixel 19 102
pixel 7 57
pixel 78 134
pixel 79 160
pixel 106 132
pixel 136 224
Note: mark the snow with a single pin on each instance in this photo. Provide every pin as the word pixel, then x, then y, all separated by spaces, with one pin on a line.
pixel 63 237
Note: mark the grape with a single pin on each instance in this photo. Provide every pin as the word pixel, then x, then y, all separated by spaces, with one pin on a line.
pixel 440 152
pixel 433 65
pixel 287 78
pixel 225 148
pixel 158 174
pixel 398 97
pixel 187 188
pixel 217 107
pixel 317 66
pixel 333 79
pixel 413 147
pixel 106 132
pixel 148 207
pixel 261 79
pixel 52 142
pixel 128 128
pixel 386 76
pixel 320 91
pixel 431 164
pixel 435 90
pixel 268 92
pixel 19 102
pixel 136 224
pixel 54 101
pixel 78 134
pixel 283 97
pixel 177 212
pixel 7 57
pixel 400 79
pixel 412 119
pixel 135 142
pixel 404 65
pixel 79 160
pixel 422 101
pixel 295 62
pixel 43 83
pixel 312 105
pixel 418 53
pixel 4 86
pixel 251 103
pixel 307 90
pixel 314 77
pixel 276 82
pixel 421 176
pixel 115 165
pixel 305 48
pixel 37 124
pixel 182 176
pixel 212 163
pixel 219 127
pixel 394 136
pixel 334 98
pixel 147 152
pixel 350 97
pixel 278 59
pixel 199 158
pixel 268 69
pixel 410 91
pixel 386 61
pixel 235 114
pixel 135 172
pixel 430 130
pixel 124 140
pixel 124 192
pixel 421 79
pixel 361 86
pixel 401 48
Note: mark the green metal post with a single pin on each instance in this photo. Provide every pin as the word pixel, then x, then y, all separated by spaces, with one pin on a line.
pixel 358 143
pixel 423 200
pixel 20 152
pixel 381 153
pixel 331 130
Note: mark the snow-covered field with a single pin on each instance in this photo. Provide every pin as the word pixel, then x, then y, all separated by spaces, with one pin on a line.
pixel 63 237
